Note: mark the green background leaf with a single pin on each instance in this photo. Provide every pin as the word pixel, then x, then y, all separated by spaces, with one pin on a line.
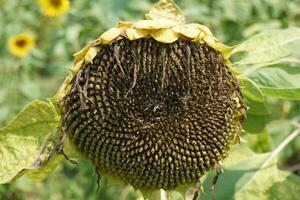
pixel 280 81
pixel 243 178
pixel 254 97
pixel 269 47
pixel 271 59
pixel 257 114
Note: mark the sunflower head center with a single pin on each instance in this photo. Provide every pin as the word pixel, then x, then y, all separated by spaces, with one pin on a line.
pixel 156 115
pixel 21 42
pixel 56 3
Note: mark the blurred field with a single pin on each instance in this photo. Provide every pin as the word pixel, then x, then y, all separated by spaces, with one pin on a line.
pixel 39 73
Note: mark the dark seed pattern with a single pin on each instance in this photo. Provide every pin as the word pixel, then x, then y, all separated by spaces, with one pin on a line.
pixel 156 115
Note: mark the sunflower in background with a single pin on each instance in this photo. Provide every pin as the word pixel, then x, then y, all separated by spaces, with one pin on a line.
pixel 20 45
pixel 54 8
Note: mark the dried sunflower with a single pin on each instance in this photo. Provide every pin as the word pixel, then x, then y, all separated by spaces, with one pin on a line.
pixel 153 103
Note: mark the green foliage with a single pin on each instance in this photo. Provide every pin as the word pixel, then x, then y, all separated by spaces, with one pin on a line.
pixel 269 68
pixel 280 81
pixel 257 113
pixel 270 47
pixel 248 175
pixel 271 62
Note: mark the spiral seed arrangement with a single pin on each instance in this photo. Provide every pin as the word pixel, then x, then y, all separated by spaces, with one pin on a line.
pixel 156 115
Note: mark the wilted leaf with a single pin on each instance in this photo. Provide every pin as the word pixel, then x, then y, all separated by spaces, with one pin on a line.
pixel 28 142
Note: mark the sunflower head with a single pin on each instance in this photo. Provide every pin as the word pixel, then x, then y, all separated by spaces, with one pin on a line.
pixel 53 8
pixel 153 103
pixel 20 45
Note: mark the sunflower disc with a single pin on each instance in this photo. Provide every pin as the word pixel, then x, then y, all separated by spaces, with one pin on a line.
pixel 155 115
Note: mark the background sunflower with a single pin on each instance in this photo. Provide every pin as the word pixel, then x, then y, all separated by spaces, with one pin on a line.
pixel 53 8
pixel 20 45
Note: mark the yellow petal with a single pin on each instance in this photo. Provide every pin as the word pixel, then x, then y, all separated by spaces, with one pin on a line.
pixel 164 35
pixel 90 54
pixel 65 87
pixel 81 54
pixel 124 24
pixel 166 9
pixel 206 36
pixel 110 35
pixel 155 24
pixel 209 40
pixel 204 29
pixel 55 100
pixel 224 49
pixel 188 30
pixel 133 34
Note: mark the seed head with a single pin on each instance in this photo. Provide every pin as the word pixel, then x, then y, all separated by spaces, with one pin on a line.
pixel 154 103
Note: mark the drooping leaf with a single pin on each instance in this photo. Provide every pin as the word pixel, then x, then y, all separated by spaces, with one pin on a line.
pixel 269 47
pixel 27 144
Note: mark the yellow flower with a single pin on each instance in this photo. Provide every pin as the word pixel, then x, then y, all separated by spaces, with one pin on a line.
pixel 20 45
pixel 53 8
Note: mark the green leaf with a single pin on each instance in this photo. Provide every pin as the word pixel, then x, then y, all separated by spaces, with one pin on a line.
pixel 278 130
pixel 272 61
pixel 289 185
pixel 269 47
pixel 280 81
pixel 259 143
pixel 253 97
pixel 244 178
pixel 257 184
pixel 238 164
pixel 257 114
pixel 27 144
pixel 255 123
pixel 261 184
pixel 30 89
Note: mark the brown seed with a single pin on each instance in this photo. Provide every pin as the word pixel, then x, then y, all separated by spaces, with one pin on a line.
pixel 156 115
